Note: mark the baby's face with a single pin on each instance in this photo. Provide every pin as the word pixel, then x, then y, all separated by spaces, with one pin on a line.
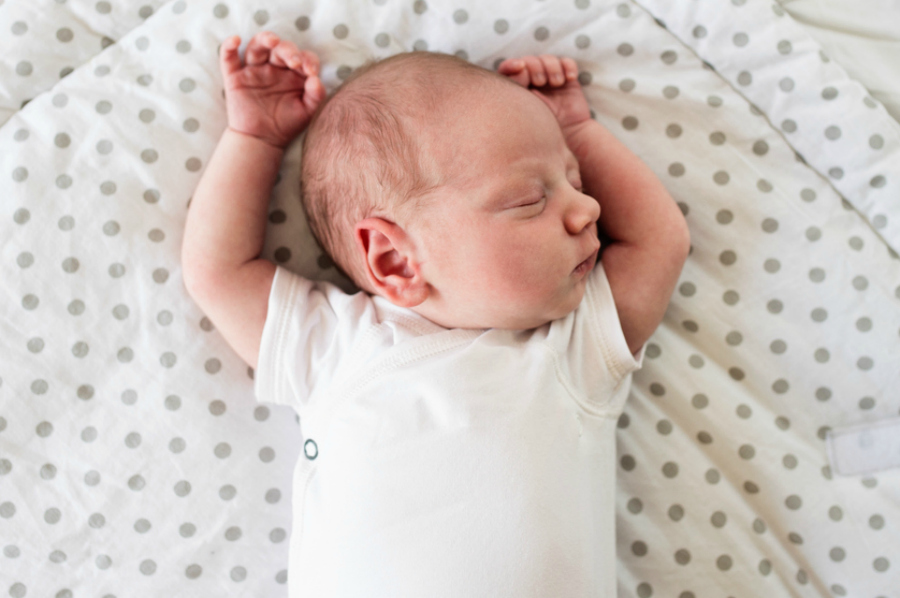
pixel 510 239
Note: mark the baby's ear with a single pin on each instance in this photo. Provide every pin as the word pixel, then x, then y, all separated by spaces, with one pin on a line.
pixel 390 262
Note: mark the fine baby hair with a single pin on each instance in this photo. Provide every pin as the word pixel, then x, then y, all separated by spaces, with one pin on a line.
pixel 362 155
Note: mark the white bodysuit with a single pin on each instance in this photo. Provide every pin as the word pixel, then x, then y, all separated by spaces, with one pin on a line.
pixel 447 463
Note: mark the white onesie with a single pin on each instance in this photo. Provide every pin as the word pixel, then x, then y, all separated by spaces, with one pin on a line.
pixel 447 463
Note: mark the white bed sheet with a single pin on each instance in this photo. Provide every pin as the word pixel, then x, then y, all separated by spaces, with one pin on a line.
pixel 133 459
pixel 862 36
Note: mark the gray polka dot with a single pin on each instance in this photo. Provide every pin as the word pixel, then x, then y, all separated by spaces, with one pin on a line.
pixel 836 172
pixel 786 84
pixel 629 123
pixel 183 46
pixel 721 177
pixel 182 488
pixel 747 451
pixel 193 571
pixel 382 40
pixel 676 169
pixel 712 475
pixel 784 47
pixel 670 92
pixel 724 562
pixel 829 93
pixel 876 142
pixel 177 445
pixel 238 574
pixel 261 17
pixel 699 32
pixel 582 42
pixel 718 519
pixel 714 101
pixel 793 502
pixel 789 461
pixel 302 23
pixel 760 148
pixel 187 530
pixel 676 512
pixel 745 78
pixel 420 6
pixel 876 522
pixel 866 403
pixel 743 411
pixel 669 57
pixel 148 567
pixel 267 454
pixel 639 548
pixel 227 492
pixel 813 233
pixel 24 68
pixel 833 132
pixel 740 39
pixel 625 49
pixel 460 16
pixel 501 26
pixel 670 469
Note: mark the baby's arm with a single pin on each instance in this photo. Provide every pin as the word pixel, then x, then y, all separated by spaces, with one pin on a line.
pixel 269 102
pixel 650 238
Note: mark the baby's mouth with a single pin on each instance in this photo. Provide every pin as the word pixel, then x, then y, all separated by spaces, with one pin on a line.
pixel 585 266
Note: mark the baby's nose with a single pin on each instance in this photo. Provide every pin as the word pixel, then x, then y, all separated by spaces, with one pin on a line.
pixel 584 212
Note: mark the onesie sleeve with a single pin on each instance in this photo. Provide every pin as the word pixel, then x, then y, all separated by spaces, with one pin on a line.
pixel 598 357
pixel 311 326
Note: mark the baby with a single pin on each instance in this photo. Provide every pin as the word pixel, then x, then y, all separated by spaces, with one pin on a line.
pixel 459 415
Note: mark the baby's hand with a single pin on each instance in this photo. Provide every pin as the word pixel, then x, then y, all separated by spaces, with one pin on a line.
pixel 274 95
pixel 555 81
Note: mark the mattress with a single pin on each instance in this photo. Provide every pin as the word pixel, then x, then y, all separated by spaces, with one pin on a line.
pixel 134 459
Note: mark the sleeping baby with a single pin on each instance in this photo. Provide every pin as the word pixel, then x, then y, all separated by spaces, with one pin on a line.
pixel 458 414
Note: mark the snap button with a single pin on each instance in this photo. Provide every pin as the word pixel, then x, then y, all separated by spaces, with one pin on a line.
pixel 310 449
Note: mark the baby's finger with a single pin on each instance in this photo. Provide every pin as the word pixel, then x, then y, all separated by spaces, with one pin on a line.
pixel 259 47
pixel 514 68
pixel 536 71
pixel 229 59
pixel 313 93
pixel 570 68
pixel 553 69
pixel 303 62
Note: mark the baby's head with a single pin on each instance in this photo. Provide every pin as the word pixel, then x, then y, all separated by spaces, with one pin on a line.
pixel 449 189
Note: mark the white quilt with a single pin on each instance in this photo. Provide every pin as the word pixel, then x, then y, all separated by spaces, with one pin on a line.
pixel 134 461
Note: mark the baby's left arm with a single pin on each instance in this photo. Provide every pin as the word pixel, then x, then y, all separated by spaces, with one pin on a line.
pixel 650 238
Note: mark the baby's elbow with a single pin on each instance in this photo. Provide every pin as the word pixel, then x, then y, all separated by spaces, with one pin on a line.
pixel 680 236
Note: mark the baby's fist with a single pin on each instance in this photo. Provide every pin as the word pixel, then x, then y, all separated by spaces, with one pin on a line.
pixel 274 95
pixel 554 79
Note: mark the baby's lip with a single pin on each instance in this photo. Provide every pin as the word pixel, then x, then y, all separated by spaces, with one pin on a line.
pixel 590 260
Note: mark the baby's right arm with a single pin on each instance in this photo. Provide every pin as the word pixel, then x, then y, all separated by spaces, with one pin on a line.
pixel 269 102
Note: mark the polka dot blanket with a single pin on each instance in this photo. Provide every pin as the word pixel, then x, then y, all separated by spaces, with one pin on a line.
pixel 134 459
